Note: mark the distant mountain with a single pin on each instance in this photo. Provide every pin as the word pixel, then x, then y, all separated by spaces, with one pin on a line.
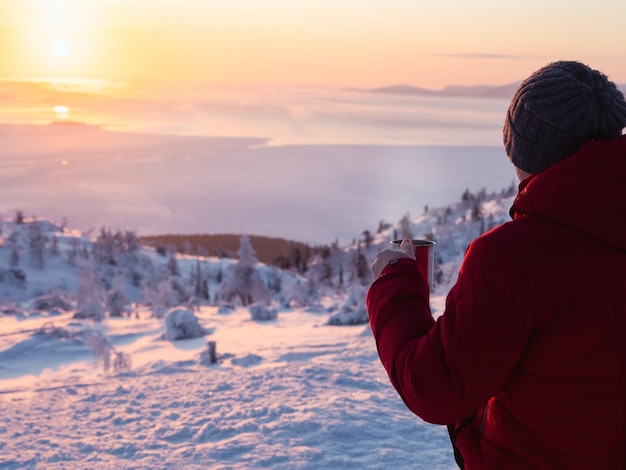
pixel 475 91
pixel 403 90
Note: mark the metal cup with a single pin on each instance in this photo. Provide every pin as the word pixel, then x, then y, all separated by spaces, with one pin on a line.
pixel 424 251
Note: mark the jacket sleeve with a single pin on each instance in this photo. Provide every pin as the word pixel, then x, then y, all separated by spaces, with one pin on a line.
pixel 446 370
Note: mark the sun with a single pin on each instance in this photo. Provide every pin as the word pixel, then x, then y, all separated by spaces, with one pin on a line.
pixel 62 47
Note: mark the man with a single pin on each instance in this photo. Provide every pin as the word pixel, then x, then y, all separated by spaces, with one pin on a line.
pixel 527 365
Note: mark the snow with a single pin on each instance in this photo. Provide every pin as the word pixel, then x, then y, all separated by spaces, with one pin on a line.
pixel 294 394
pixel 298 391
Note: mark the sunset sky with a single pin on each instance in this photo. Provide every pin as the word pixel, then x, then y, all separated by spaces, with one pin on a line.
pixel 335 43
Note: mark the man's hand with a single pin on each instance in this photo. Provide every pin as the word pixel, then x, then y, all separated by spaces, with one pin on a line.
pixel 385 256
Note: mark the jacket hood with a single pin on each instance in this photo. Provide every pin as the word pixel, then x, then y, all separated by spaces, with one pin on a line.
pixel 585 192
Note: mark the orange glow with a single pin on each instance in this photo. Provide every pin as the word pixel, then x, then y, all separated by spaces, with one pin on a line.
pixel 329 43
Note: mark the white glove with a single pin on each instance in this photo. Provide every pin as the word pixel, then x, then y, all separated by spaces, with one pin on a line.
pixel 385 256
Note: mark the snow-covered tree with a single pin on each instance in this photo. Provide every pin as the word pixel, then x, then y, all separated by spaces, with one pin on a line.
pixel 362 271
pixel 73 251
pixel 172 264
pixel 160 298
pixel 104 352
pixel 19 217
pixel 405 227
pixel 243 280
pixel 117 302
pixel 90 297
pixel 246 254
pixel 200 283
pixel 132 242
pixel 37 243
pixel 16 249
pixel 54 245
pixel 295 293
pixel 367 238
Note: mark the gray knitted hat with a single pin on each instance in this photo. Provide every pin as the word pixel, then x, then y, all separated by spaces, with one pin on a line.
pixel 556 110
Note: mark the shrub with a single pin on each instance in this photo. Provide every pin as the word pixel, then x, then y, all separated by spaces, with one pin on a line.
pixel 181 323
pixel 349 316
pixel 260 312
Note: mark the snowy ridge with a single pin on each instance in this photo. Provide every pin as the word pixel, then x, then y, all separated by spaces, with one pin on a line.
pixel 289 389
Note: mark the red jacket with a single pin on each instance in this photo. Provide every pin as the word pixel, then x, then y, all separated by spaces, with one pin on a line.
pixel 529 358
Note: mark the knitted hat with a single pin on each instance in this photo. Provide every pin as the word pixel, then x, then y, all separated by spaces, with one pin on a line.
pixel 556 110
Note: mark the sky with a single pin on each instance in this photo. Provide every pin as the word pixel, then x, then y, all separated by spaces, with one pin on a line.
pixel 332 43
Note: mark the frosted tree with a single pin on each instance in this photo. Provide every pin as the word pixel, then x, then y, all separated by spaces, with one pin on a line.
pixel 182 291
pixel 104 352
pixel 362 271
pixel 320 272
pixel 54 246
pixel 337 261
pixel 367 238
pixel 405 227
pixel 161 298
pixel 200 283
pixel 117 302
pixel 19 217
pixel 243 280
pixel 73 251
pixel 132 242
pixel 16 249
pixel 246 254
pixel 172 263
pixel 102 247
pixel 37 242
pixel 90 297
pixel 295 293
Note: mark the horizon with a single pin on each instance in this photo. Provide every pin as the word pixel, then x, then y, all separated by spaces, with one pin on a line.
pixel 156 66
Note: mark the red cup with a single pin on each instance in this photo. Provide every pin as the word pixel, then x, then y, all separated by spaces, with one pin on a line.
pixel 424 251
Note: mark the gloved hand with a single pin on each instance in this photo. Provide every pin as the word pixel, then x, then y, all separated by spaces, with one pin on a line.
pixel 385 256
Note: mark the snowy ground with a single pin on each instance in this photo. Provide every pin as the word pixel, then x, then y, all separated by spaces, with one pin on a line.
pixel 291 393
